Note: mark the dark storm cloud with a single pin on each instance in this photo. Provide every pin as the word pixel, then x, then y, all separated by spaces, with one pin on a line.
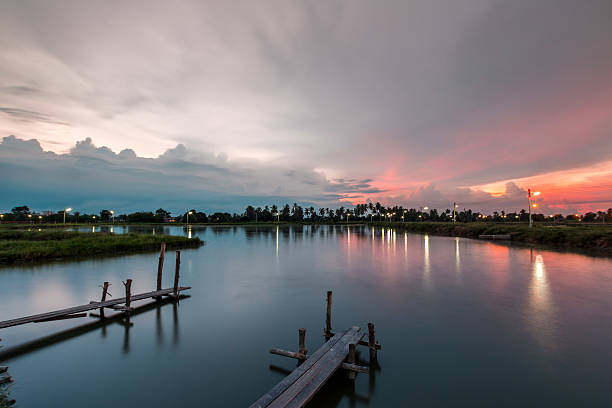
pixel 91 177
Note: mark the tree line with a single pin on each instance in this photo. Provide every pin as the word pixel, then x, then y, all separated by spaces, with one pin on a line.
pixel 296 213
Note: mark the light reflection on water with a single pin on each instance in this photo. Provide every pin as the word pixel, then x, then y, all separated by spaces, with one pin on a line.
pixel 541 314
pixel 450 313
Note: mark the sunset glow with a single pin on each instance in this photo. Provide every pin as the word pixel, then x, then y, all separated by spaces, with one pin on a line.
pixel 476 114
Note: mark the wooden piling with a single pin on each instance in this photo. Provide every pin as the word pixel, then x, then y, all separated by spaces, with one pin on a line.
pixel 351 360
pixel 328 327
pixel 176 273
pixel 302 342
pixel 160 267
pixel 104 293
pixel 372 341
pixel 128 294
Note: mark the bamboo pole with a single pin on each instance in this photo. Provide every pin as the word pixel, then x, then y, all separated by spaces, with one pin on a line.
pixel 372 341
pixel 160 267
pixel 128 294
pixel 328 327
pixel 351 360
pixel 104 293
pixel 302 343
pixel 177 273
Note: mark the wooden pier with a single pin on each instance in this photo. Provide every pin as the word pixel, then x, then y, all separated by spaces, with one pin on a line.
pixel 338 352
pixel 77 311
pixel 123 305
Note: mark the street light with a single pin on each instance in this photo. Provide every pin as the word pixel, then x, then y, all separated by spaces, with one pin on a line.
pixel 423 209
pixel 113 215
pixel 454 212
pixel 277 217
pixel 529 194
pixel 30 217
pixel 347 215
pixel 65 211
pixel 188 214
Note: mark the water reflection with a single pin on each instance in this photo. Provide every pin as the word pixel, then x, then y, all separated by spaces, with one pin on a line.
pixel 127 325
pixel 102 323
pixel 457 258
pixel 505 305
pixel 426 263
pixel 541 312
pixel 277 242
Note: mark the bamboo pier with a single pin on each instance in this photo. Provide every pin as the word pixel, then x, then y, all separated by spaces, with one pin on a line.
pixel 313 371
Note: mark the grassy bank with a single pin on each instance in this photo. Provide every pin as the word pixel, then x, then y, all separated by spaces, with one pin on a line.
pixel 31 246
pixel 591 237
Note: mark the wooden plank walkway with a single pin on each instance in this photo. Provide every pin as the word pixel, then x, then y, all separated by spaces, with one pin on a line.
pixel 301 385
pixel 58 314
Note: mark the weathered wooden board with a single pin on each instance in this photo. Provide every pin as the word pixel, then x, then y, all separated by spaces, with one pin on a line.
pixel 84 308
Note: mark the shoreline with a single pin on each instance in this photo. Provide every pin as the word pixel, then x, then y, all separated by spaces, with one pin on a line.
pixel 23 247
pixel 592 239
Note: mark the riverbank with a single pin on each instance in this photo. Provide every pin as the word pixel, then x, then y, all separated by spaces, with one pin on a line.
pixel 591 238
pixel 17 246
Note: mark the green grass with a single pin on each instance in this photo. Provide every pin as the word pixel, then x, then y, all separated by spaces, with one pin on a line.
pixel 30 246
pixel 589 237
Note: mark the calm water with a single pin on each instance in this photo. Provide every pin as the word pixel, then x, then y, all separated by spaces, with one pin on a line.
pixel 461 322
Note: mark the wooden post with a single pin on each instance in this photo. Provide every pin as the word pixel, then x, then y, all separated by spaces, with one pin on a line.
pixel 302 342
pixel 160 267
pixel 128 294
pixel 176 273
pixel 351 360
pixel 328 327
pixel 371 341
pixel 104 293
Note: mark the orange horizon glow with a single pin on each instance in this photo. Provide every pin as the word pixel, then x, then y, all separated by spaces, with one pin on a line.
pixel 580 189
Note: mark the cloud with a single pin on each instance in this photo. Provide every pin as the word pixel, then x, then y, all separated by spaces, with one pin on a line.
pixel 23 115
pixel 402 94
pixel 90 178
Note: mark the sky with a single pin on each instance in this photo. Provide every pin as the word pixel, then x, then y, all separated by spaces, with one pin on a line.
pixel 214 105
